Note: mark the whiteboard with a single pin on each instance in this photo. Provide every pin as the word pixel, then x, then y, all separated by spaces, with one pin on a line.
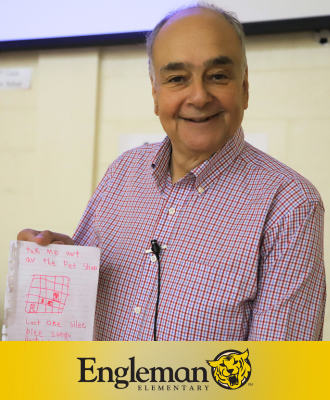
pixel 38 19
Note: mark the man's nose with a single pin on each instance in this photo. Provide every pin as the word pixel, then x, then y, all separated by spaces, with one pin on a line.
pixel 199 95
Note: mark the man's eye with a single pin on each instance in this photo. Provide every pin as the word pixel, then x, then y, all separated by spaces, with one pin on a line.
pixel 176 79
pixel 219 77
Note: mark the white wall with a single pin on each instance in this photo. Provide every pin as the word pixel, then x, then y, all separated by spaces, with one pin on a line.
pixel 58 138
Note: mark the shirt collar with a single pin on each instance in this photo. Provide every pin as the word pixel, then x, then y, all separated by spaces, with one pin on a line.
pixel 207 172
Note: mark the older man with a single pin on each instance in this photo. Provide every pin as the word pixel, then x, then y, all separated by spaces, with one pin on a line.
pixel 240 233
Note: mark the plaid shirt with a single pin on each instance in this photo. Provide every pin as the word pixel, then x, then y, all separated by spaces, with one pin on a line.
pixel 244 256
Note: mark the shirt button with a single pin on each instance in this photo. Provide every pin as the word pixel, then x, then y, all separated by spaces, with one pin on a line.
pixel 137 310
pixel 171 211
pixel 200 190
pixel 153 258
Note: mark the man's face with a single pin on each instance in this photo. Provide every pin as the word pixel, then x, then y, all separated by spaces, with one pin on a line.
pixel 200 89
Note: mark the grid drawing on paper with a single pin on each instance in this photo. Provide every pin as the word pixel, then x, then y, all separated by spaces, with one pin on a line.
pixel 47 294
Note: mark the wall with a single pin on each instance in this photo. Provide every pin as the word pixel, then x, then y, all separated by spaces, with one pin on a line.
pixel 58 138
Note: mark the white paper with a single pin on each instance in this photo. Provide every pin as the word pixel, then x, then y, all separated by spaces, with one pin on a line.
pixel 130 141
pixel 51 292
pixel 15 78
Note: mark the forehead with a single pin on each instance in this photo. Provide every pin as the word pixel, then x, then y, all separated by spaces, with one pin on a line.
pixel 194 36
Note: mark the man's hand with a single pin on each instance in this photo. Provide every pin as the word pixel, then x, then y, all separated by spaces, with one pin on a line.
pixel 44 238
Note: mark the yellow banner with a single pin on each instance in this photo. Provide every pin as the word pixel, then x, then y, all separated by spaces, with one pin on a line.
pixel 157 370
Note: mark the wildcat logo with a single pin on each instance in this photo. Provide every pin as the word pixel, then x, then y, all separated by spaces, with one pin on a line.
pixel 231 369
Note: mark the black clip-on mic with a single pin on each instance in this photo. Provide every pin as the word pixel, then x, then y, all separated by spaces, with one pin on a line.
pixel 155 247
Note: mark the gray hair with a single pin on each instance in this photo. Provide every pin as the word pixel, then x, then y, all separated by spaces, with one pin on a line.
pixel 230 17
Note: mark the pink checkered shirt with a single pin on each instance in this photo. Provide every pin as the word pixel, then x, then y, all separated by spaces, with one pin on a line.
pixel 244 256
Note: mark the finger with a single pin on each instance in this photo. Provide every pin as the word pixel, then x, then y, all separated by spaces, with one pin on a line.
pixel 45 238
pixel 28 235
pixel 60 238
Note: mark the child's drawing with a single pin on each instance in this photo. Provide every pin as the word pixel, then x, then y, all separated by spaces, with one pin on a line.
pixel 47 294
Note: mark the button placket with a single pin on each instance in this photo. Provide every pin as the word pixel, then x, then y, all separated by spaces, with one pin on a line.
pixel 163 234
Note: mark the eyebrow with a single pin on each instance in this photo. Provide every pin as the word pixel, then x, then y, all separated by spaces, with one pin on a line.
pixel 221 60
pixel 213 62
pixel 175 66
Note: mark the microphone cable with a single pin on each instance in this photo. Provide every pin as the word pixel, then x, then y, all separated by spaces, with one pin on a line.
pixel 156 249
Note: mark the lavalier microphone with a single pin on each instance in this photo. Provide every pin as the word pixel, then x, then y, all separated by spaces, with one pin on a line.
pixel 156 249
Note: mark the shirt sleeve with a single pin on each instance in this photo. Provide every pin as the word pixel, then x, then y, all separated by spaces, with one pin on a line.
pixel 85 234
pixel 291 295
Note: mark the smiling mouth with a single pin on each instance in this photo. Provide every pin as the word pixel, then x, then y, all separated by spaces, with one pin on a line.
pixel 200 120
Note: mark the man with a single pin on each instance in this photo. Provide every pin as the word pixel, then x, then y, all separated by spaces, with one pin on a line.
pixel 241 233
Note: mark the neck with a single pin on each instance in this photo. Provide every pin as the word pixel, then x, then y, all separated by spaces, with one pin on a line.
pixel 181 164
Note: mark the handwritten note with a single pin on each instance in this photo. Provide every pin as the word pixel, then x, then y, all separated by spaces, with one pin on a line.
pixel 51 292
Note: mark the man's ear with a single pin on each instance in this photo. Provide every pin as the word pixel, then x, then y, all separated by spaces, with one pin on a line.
pixel 246 88
pixel 154 95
